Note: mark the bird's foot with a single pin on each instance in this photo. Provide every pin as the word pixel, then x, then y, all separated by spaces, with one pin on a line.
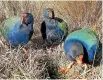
pixel 63 70
pixel 24 58
pixel 85 67
pixel 85 70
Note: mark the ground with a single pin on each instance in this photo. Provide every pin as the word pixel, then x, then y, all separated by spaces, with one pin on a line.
pixel 41 63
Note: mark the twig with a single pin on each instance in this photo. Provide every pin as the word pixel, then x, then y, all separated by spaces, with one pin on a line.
pixel 2 43
pixel 22 72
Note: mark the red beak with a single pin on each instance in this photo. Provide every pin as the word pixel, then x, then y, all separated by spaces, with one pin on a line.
pixel 23 15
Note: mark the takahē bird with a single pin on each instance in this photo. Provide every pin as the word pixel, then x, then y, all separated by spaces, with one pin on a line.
pixel 81 46
pixel 18 30
pixel 53 29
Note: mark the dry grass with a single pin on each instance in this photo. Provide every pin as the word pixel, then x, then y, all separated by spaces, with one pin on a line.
pixel 43 64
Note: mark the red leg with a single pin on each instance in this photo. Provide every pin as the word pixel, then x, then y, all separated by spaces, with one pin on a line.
pixel 25 49
pixel 65 70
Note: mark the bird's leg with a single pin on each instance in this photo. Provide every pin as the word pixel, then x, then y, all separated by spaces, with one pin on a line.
pixel 70 65
pixel 85 69
pixel 25 49
pixel 65 70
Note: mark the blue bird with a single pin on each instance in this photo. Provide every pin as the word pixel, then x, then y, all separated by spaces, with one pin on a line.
pixel 18 30
pixel 81 46
pixel 53 29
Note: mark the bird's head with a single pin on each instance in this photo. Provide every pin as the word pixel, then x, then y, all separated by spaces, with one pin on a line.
pixel 26 18
pixel 76 51
pixel 49 13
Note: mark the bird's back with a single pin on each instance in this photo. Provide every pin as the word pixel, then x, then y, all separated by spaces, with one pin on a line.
pixel 15 32
pixel 7 25
pixel 56 30
pixel 62 25
pixel 86 37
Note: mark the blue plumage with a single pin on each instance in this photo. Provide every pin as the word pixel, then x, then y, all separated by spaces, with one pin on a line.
pixel 18 32
pixel 53 29
pixel 54 33
pixel 85 37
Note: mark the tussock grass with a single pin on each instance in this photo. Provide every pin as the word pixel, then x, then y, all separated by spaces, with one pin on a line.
pixel 41 64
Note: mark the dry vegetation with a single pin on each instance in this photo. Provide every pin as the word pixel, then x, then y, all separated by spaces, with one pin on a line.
pixel 44 63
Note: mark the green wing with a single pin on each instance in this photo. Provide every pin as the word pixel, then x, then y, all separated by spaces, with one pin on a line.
pixel 63 26
pixel 86 35
pixel 6 25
